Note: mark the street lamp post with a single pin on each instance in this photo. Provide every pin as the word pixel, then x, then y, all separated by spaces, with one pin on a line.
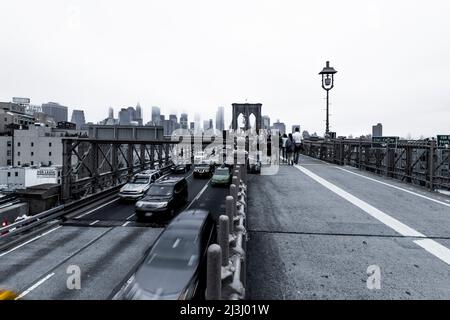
pixel 327 84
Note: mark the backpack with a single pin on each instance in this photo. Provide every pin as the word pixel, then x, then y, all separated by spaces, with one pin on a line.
pixel 290 146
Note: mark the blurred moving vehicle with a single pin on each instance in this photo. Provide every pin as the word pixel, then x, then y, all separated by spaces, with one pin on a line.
pixel 139 185
pixel 163 198
pixel 203 170
pixel 221 177
pixel 175 267
pixel 180 168
pixel 7 295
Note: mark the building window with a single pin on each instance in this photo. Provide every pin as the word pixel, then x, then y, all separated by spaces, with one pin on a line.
pixel 50 154
pixel 18 163
pixel 16 174
pixel 18 144
pixel 9 144
pixel 9 174
pixel 32 144
pixel 49 163
pixel 32 153
pixel 49 144
pixel 32 163
pixel 18 153
pixel 8 162
pixel 8 153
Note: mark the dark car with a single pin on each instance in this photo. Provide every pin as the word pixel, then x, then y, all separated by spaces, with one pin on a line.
pixel 163 198
pixel 175 267
pixel 203 170
pixel 180 168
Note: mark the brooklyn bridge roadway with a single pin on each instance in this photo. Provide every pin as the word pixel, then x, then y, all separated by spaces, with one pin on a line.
pixel 104 241
pixel 315 228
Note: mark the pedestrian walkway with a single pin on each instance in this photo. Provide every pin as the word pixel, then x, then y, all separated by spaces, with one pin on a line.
pixel 315 230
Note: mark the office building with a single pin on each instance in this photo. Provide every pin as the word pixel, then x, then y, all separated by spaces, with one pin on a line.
pixel 266 122
pixel 220 122
pixel 156 115
pixel 377 130
pixel 280 126
pixel 56 111
pixel 78 118
pixel 184 121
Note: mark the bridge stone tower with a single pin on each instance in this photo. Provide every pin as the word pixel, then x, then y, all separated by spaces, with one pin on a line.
pixel 247 109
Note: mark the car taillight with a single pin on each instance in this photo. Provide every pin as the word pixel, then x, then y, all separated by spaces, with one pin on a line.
pixel 4 223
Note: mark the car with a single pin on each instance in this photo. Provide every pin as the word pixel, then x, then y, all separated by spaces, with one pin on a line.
pixel 203 170
pixel 222 176
pixel 180 168
pixel 175 266
pixel 163 198
pixel 139 185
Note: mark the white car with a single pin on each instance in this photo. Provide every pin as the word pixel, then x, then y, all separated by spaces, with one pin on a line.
pixel 138 186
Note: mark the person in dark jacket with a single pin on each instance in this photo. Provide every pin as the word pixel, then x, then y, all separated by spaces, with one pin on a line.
pixel 290 148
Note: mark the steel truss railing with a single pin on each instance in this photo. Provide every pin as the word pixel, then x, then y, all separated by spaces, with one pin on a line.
pixel 418 162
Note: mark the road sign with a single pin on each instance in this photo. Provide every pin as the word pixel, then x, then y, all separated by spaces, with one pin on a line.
pixel 383 142
pixel 443 140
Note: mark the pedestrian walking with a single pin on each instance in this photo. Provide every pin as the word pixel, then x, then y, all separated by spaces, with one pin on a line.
pixel 284 138
pixel 298 144
pixel 290 148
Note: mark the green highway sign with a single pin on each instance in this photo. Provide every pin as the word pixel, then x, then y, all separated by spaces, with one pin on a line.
pixel 382 142
pixel 443 140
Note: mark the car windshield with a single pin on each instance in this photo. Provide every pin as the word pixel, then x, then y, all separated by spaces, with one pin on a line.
pixel 140 180
pixel 175 251
pixel 160 190
pixel 222 172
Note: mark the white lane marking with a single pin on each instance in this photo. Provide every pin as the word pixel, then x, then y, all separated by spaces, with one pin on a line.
pixel 435 249
pixel 93 210
pixel 190 175
pixel 126 223
pixel 27 242
pixel 398 226
pixel 198 195
pixel 34 286
pixel 131 216
pixel 92 223
pixel 395 187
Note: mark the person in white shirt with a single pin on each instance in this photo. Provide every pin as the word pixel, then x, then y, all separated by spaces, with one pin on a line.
pixel 283 146
pixel 298 143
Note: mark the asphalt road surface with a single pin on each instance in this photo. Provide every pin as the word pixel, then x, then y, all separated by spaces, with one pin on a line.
pixel 105 243
pixel 316 228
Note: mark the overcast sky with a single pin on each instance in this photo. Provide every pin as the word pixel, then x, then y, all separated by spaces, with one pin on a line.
pixel 391 58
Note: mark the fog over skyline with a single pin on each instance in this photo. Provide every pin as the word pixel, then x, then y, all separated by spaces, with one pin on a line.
pixel 193 56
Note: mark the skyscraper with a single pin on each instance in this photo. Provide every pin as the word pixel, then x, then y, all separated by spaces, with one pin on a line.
pixel 220 124
pixel 110 113
pixel 266 122
pixel 56 111
pixel 138 114
pixel 173 117
pixel 280 126
pixel 78 118
pixel 197 120
pixel 377 130
pixel 184 121
pixel 156 115
pixel 124 117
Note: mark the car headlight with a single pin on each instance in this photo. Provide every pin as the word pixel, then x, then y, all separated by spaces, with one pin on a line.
pixel 139 204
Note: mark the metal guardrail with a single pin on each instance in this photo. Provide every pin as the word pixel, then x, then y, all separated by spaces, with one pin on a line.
pixel 226 261
pixel 59 211
pixel 418 162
